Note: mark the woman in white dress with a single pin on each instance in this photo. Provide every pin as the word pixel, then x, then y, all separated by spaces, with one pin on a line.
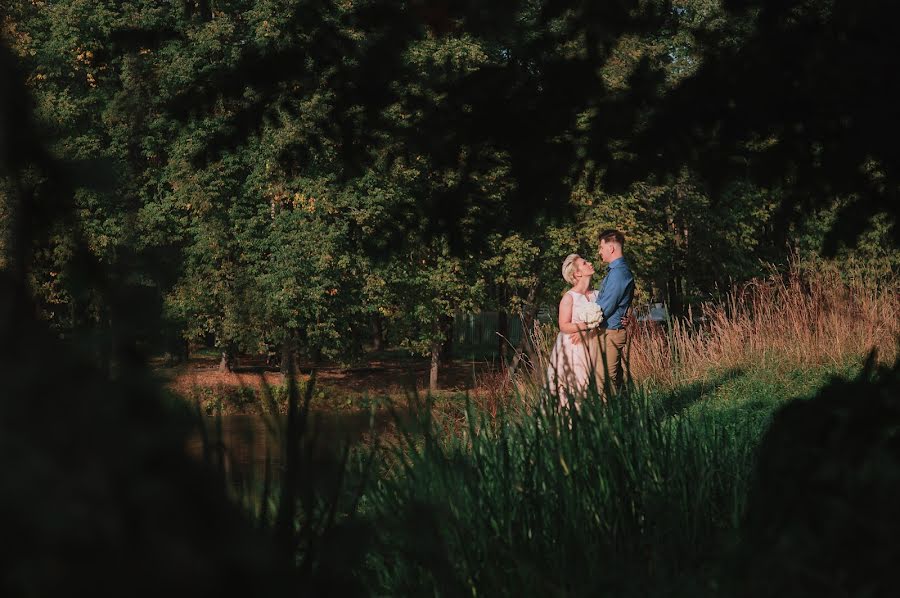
pixel 572 362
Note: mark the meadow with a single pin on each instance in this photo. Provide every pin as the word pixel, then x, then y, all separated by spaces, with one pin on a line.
pixel 499 492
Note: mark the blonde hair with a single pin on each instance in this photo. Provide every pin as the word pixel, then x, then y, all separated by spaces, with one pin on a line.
pixel 568 268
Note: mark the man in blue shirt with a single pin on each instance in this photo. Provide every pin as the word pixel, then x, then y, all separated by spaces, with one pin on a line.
pixel 616 293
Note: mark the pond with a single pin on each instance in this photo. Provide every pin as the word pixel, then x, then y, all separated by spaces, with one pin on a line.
pixel 242 444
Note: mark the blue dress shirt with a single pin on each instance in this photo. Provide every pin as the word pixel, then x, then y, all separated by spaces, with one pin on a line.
pixel 616 293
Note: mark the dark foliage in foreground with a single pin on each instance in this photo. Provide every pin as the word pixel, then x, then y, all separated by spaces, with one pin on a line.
pixel 823 517
pixel 99 495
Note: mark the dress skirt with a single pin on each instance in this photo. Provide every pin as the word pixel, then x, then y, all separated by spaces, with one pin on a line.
pixel 572 366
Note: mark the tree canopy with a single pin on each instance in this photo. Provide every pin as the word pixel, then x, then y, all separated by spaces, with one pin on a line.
pixel 292 174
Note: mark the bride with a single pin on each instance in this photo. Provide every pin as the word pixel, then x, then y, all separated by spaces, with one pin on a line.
pixel 575 353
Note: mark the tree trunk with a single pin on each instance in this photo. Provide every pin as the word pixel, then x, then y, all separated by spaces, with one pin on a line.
pixel 675 295
pixel 227 361
pixel 377 333
pixel 526 351
pixel 201 8
pixel 288 363
pixel 435 363
pixel 502 337
pixel 205 10
pixel 446 332
pixel 176 346
pixel 441 344
pixel 110 358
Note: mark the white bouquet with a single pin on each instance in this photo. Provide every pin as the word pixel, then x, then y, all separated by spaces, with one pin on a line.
pixel 590 314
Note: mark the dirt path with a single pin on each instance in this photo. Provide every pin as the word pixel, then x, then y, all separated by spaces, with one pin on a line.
pixel 376 378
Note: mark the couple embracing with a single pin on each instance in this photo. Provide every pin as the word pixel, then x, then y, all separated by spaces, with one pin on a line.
pixel 591 344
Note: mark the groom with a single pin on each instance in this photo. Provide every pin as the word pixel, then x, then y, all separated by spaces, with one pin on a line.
pixel 616 293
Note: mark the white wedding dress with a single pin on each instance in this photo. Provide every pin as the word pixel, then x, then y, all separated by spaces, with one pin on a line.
pixel 572 366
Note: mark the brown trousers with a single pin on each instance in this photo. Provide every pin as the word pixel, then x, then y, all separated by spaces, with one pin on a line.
pixel 612 366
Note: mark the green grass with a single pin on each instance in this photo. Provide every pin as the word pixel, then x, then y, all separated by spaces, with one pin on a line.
pixel 751 396
pixel 641 497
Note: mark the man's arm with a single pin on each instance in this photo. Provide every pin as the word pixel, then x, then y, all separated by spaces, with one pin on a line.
pixel 612 293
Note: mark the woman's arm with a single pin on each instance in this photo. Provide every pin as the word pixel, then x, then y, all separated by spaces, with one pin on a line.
pixel 565 317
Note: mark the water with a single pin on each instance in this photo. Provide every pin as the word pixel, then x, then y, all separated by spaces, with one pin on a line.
pixel 242 444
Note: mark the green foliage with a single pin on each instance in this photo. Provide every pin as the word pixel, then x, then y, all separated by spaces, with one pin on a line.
pixel 275 173
pixel 873 250
pixel 683 243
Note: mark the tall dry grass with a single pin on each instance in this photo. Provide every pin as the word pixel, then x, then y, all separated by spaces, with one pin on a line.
pixel 814 313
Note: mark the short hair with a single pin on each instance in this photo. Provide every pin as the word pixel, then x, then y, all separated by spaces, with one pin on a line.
pixel 568 268
pixel 610 235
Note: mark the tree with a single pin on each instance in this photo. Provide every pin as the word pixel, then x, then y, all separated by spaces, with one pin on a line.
pixel 794 98
pixel 251 149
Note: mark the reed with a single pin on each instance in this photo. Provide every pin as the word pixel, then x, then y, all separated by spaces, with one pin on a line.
pixel 561 502
pixel 816 313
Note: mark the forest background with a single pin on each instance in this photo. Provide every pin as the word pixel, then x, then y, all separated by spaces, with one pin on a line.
pixel 326 177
